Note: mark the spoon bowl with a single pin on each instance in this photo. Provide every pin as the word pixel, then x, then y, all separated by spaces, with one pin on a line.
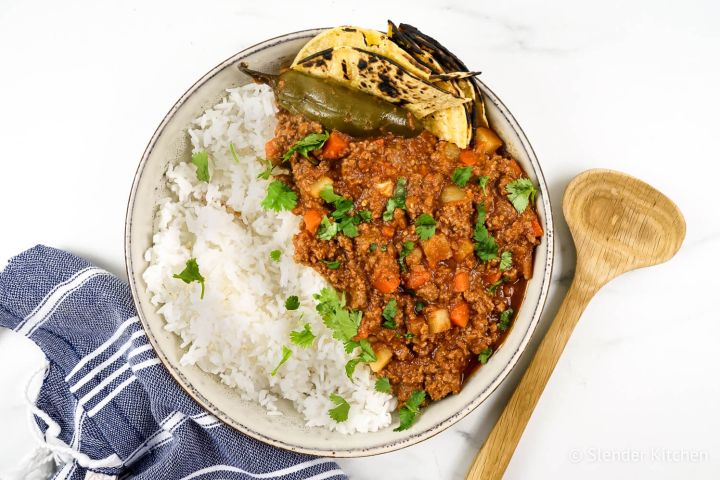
pixel 621 223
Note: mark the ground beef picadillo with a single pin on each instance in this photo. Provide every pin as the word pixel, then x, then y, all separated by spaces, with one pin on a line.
pixel 442 277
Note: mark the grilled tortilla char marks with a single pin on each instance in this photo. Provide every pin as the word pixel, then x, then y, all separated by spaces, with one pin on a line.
pixel 441 273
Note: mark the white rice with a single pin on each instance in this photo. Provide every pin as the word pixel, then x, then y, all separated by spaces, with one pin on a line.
pixel 238 329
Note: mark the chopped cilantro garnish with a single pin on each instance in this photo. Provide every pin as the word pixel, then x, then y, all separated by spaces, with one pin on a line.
pixel 275 255
pixel 408 335
pixel 419 307
pixel 292 302
pixel 331 307
pixel 504 322
pixel 397 200
pixel 485 355
pixel 521 192
pixel 341 410
pixel 286 352
pixel 425 226
pixel 332 264
pixel 461 176
pixel 365 215
pixel 190 274
pixel 327 229
pixel 233 152
pixel 382 384
pixel 279 197
pixel 350 367
pixel 389 313
pixel 483 181
pixel 485 246
pixel 410 410
pixel 373 247
pixel 383 248
pixel 492 288
pixel 303 338
pixel 505 260
pixel 407 247
pixel 306 145
pixel 345 223
pixel 200 160
pixel 265 174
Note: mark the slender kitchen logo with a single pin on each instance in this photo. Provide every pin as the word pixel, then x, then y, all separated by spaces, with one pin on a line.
pixel 634 455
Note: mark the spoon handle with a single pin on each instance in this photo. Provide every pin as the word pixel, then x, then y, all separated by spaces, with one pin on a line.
pixel 495 454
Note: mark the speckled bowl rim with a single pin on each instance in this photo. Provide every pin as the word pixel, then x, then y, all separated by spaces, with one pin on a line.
pixel 438 427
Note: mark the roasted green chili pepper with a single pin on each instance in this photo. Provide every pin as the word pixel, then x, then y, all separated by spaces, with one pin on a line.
pixel 337 107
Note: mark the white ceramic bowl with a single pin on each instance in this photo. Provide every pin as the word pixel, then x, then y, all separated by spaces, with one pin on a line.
pixel 170 144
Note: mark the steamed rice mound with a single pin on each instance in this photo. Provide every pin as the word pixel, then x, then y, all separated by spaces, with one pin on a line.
pixel 238 329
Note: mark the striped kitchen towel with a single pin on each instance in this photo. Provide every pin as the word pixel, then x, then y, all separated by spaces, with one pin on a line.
pixel 107 407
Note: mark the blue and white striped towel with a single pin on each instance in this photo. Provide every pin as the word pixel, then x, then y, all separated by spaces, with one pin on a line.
pixel 106 403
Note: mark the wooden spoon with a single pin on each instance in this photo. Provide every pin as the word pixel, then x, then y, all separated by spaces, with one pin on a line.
pixel 618 224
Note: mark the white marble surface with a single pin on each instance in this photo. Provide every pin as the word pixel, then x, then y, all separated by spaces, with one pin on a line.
pixel 631 86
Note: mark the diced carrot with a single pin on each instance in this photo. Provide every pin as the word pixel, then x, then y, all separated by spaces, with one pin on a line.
pixel 468 157
pixel 461 282
pixel 386 281
pixel 312 220
pixel 460 314
pixel 417 278
pixel 388 231
pixel 515 167
pixel 537 228
pixel 335 146
pixel 492 276
pixel 271 150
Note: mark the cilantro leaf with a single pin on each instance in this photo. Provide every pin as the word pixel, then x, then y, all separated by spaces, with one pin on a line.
pixel 521 192
pixel 350 367
pixel 492 288
pixel 483 181
pixel 408 335
pixel 461 176
pixel 327 229
pixel 410 410
pixel 275 255
pixel 382 384
pixel 286 353
pixel 343 323
pixel 341 410
pixel 191 273
pixel 279 197
pixel 303 338
pixel 306 145
pixel 265 174
pixel 372 247
pixel 407 247
pixel 367 354
pixel 200 160
pixel 332 264
pixel 485 355
pixel 292 302
pixel 397 200
pixel 504 322
pixel 233 152
pixel 505 260
pixel 485 246
pixel 365 215
pixel 425 226
pixel 389 313
pixel 419 306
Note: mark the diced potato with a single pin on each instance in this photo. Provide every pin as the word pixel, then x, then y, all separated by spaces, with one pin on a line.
pixel 487 141
pixel 319 184
pixel 452 193
pixel 385 188
pixel 463 249
pixel 383 355
pixel 414 257
pixel 437 248
pixel 451 150
pixel 439 320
